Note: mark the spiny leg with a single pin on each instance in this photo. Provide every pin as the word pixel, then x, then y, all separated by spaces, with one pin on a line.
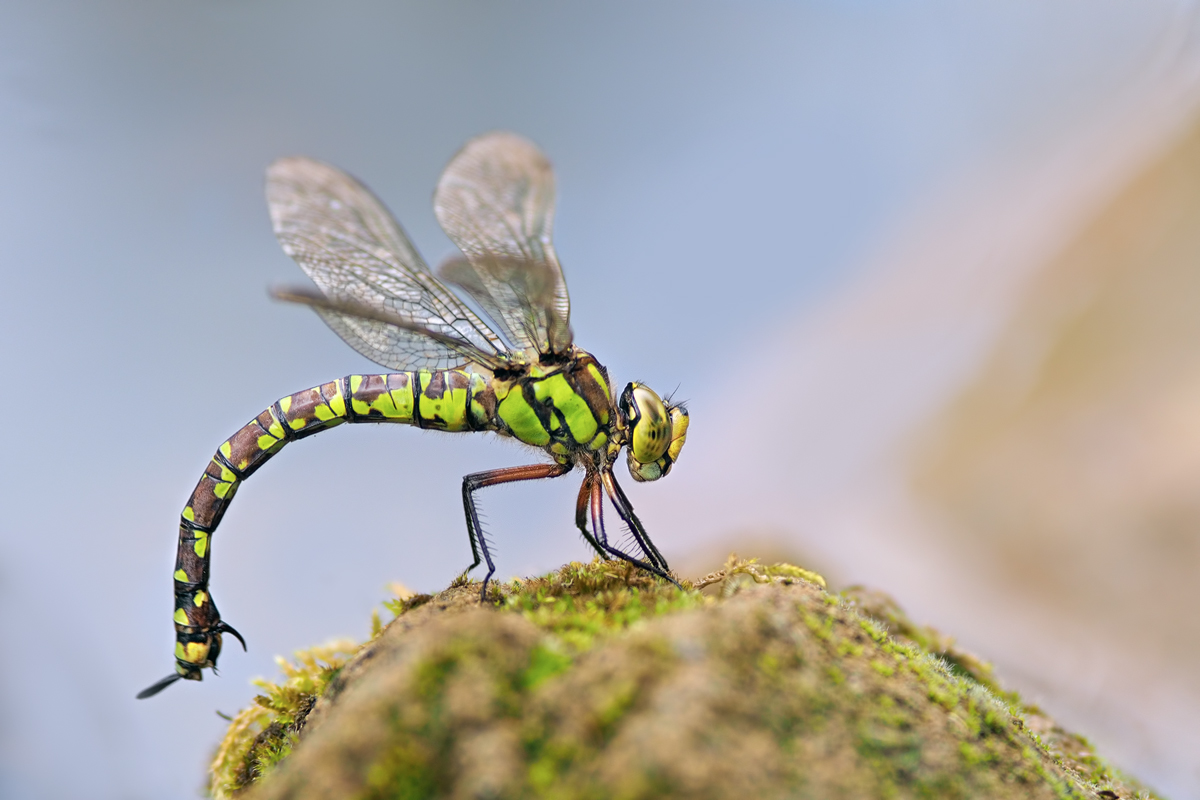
pixel 591 498
pixel 479 480
pixel 625 509
pixel 597 508
pixel 658 564
pixel 597 503
pixel 637 562
pixel 587 494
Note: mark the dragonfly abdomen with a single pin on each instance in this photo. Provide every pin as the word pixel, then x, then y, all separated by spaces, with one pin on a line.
pixel 449 400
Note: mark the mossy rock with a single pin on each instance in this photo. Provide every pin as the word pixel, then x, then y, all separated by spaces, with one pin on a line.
pixel 600 682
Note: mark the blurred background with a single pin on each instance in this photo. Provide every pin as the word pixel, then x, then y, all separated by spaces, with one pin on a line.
pixel 928 273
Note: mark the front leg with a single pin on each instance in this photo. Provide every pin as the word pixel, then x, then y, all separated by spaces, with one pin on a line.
pixel 478 480
pixel 589 493
pixel 657 564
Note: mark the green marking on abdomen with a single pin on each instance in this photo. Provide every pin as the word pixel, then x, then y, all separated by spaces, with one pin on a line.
pixel 274 431
pixel 444 399
pixel 383 398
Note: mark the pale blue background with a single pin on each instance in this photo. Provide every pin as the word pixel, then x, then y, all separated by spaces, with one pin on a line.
pixel 721 167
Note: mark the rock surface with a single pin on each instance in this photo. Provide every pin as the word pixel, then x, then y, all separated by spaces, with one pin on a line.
pixel 598 682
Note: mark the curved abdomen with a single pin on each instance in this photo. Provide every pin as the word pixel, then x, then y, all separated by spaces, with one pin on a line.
pixel 449 400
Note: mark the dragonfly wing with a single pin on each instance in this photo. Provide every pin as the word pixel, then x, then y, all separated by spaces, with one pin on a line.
pixel 495 200
pixel 502 288
pixel 351 316
pixel 356 253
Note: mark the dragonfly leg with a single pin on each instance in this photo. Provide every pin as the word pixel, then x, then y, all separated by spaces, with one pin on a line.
pixel 587 496
pixel 625 509
pixel 479 480
pixel 597 503
pixel 657 564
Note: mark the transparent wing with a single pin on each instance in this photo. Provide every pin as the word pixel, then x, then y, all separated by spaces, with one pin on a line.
pixel 357 255
pixel 340 313
pixel 510 292
pixel 495 200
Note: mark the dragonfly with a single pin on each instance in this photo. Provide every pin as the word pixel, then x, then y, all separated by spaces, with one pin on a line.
pixel 512 368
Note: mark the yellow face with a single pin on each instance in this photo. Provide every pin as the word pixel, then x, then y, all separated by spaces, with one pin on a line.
pixel 656 432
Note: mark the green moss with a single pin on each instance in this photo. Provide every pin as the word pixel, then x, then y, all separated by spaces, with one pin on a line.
pixel 545 663
pixel 579 602
pixel 402 773
pixel 600 681
pixel 264 734
pixel 886 670
pixel 399 605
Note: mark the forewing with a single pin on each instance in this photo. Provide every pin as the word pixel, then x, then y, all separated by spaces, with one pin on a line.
pixel 340 314
pixel 356 254
pixel 495 200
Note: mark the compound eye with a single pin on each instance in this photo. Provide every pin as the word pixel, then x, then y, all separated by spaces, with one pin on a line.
pixel 650 424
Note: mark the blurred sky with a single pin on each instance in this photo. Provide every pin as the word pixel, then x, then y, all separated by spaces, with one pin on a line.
pixel 725 171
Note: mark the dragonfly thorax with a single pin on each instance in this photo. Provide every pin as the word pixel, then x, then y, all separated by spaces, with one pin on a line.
pixel 565 408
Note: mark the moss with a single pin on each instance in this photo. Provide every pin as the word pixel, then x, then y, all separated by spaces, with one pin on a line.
pixel 579 603
pixel 545 662
pixel 598 681
pixel 262 735
pixel 883 617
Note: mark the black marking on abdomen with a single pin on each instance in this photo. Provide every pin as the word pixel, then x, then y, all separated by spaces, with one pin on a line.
pixel 289 435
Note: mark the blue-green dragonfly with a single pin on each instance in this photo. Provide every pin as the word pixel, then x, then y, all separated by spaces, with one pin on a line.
pixel 517 374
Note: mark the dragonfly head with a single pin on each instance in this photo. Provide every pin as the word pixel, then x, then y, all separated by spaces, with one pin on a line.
pixel 655 431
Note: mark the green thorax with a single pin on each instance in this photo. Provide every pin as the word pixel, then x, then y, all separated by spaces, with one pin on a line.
pixel 566 408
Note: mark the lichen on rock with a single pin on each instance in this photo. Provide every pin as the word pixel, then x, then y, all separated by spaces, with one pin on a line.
pixel 598 681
